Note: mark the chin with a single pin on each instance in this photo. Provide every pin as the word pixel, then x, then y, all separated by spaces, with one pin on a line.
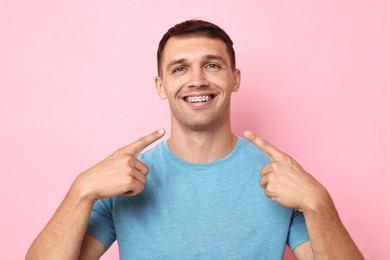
pixel 202 122
pixel 204 125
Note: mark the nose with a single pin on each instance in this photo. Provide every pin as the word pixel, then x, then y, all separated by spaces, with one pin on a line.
pixel 198 78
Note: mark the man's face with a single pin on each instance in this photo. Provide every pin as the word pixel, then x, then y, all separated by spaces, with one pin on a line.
pixel 197 79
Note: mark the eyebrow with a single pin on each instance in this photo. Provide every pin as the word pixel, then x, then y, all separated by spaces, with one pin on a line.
pixel 214 57
pixel 174 62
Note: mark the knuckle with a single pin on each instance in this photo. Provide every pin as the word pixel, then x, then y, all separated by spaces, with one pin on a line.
pixel 267 192
pixel 288 159
pixel 269 188
pixel 142 179
pixel 274 166
pixel 122 150
pixel 131 161
pixel 262 172
pixel 261 184
pixel 118 152
pixel 131 180
pixel 138 189
pixel 266 143
pixel 142 140
pixel 131 171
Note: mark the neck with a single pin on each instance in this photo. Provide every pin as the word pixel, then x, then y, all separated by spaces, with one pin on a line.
pixel 202 146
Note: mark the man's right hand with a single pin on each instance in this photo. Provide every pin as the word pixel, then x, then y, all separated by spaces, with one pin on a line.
pixel 120 173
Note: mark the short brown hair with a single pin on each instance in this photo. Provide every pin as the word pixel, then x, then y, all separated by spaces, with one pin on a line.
pixel 197 27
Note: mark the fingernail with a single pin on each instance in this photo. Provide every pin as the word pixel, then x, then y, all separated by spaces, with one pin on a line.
pixel 161 131
pixel 248 134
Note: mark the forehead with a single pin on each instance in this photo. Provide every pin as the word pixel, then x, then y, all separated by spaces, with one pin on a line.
pixel 194 46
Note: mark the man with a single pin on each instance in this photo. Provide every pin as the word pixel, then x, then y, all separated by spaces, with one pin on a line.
pixel 202 199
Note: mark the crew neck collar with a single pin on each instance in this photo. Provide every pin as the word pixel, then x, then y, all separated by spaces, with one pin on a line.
pixel 201 166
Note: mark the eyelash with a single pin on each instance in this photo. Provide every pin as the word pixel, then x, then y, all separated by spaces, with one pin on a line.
pixel 214 66
pixel 209 65
pixel 178 69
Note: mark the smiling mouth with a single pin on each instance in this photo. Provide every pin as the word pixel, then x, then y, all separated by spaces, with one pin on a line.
pixel 199 99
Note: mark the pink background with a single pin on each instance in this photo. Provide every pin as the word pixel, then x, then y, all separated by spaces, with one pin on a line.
pixel 76 83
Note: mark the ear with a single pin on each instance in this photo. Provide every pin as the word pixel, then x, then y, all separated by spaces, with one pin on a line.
pixel 236 80
pixel 160 87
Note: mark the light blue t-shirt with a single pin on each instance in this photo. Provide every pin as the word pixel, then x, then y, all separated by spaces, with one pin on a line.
pixel 214 210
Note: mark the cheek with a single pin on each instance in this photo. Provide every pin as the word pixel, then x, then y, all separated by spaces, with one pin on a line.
pixel 173 86
pixel 224 81
pixel 225 85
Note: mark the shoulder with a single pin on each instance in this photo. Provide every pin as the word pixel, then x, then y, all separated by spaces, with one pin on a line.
pixel 154 153
pixel 251 151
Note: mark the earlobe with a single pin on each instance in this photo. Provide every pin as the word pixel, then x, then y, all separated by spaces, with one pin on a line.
pixel 160 87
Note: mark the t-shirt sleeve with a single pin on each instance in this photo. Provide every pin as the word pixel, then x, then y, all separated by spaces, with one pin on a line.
pixel 298 232
pixel 101 225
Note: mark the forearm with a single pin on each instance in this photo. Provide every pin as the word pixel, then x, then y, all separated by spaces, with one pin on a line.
pixel 328 237
pixel 63 235
pixel 120 173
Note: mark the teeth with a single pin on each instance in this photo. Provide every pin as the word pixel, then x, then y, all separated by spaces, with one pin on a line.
pixel 198 99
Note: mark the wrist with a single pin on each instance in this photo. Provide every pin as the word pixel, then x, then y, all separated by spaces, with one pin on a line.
pixel 81 191
pixel 320 202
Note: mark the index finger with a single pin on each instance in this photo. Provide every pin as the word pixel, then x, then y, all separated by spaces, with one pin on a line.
pixel 138 146
pixel 270 150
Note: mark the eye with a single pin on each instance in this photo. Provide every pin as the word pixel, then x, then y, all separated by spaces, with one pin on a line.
pixel 178 69
pixel 213 66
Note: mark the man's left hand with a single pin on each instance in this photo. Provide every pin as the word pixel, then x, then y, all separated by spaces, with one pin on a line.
pixel 285 181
